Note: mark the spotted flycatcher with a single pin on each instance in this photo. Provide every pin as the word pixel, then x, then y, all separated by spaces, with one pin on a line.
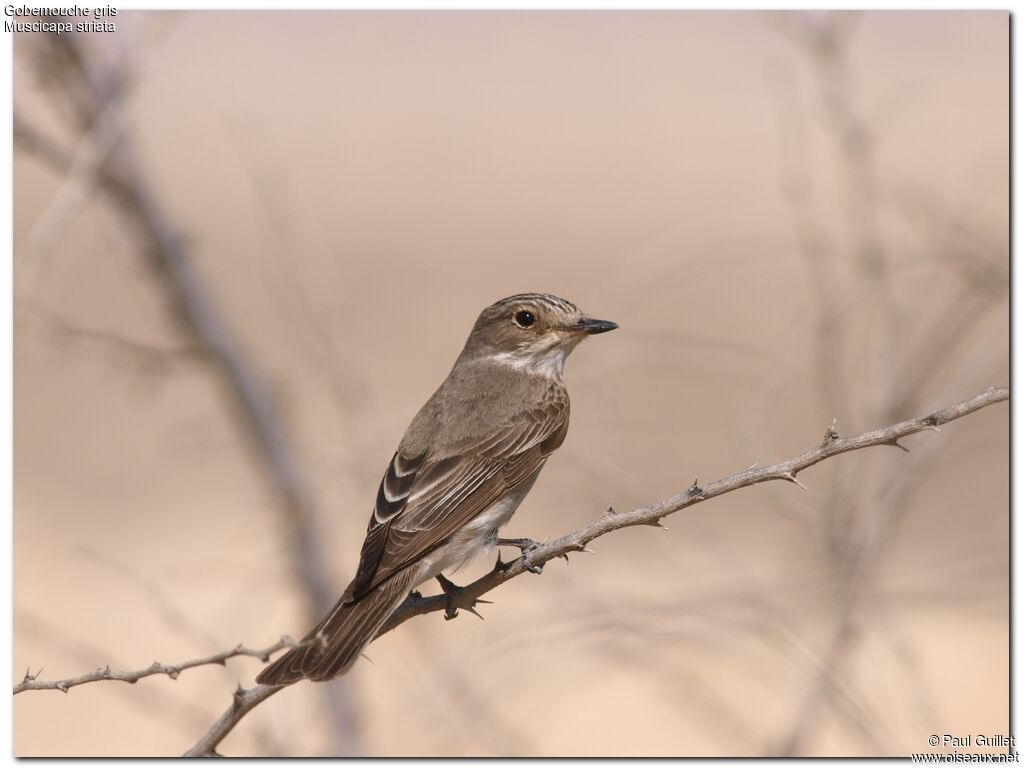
pixel 466 462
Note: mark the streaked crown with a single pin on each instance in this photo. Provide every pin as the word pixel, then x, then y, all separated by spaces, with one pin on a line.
pixel 533 331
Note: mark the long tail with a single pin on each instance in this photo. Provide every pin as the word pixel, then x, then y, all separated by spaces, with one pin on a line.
pixel 343 634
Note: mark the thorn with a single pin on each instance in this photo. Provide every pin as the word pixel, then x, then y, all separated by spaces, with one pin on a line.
pixel 934 428
pixel 173 674
pixel 695 489
pixel 831 435
pixel 367 658
pixel 752 466
pixel 610 510
pixel 28 675
pixel 62 687
pixel 472 610
pixel 657 524
pixel 106 671
pixel 499 565
pixel 565 556
pixel 239 690
pixel 791 477
pixel 895 443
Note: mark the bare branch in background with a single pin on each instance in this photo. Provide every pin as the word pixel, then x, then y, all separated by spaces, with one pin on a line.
pixel 157 598
pixel 88 88
pixel 81 177
pixel 147 357
pixel 862 515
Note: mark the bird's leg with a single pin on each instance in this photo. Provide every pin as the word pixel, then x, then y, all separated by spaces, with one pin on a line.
pixel 455 598
pixel 526 546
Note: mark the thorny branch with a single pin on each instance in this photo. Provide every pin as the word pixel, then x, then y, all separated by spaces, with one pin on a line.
pixel 832 444
pixel 31 682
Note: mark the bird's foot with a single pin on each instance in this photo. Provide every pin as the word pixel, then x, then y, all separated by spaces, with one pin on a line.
pixel 526 546
pixel 455 597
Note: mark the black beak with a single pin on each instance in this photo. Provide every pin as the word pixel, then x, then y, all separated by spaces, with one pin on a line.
pixel 590 326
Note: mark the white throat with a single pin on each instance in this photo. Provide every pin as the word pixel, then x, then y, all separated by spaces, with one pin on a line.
pixel 549 363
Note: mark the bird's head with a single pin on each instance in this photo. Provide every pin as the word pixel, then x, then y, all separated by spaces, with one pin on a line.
pixel 531 331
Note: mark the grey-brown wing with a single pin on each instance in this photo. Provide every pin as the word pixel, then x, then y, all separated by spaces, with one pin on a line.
pixel 392 495
pixel 423 501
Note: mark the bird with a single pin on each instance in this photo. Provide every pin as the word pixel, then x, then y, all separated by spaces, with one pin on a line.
pixel 465 463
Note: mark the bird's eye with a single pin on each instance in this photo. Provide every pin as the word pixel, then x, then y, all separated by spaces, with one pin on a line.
pixel 523 318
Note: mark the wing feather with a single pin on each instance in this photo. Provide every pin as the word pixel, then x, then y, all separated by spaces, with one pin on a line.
pixel 423 500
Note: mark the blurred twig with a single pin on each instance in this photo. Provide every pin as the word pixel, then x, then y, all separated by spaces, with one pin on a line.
pixel 862 516
pixel 313 295
pixel 82 173
pixel 146 356
pixel 174 618
pixel 88 89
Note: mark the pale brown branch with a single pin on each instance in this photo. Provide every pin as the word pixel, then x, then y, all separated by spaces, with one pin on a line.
pixel 31 682
pixel 243 701
pixel 832 444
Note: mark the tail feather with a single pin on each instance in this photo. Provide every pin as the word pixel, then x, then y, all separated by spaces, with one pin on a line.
pixel 343 634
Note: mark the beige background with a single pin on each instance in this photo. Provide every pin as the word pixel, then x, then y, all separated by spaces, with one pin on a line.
pixel 355 187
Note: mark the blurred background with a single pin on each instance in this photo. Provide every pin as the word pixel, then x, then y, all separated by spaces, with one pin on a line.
pixel 248 246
